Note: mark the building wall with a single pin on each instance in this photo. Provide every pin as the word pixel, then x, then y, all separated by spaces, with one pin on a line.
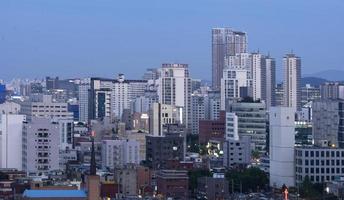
pixel 237 152
pixel 40 146
pixel 11 129
pixel 320 164
pixel 282 141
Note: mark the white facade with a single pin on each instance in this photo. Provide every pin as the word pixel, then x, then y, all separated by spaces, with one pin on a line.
pixel 161 114
pixel 282 141
pixel 40 146
pixel 9 108
pixel 117 153
pixel 84 88
pixel 11 129
pixel 44 107
pixel 256 75
pixel 233 80
pixel 197 111
pixel 231 126
pixel 268 81
pixel 292 81
pixel 175 88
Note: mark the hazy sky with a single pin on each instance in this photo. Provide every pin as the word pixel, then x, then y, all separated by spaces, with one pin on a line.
pixel 73 38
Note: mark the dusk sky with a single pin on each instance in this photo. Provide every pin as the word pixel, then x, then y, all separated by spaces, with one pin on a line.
pixel 79 38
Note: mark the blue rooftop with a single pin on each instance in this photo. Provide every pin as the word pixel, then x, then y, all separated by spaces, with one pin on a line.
pixel 54 193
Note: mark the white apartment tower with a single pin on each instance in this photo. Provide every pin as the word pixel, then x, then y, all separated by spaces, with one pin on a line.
pixel 225 42
pixel 268 71
pixel 282 141
pixel 175 88
pixel 292 81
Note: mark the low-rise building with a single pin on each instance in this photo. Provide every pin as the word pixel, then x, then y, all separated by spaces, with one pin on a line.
pixel 173 184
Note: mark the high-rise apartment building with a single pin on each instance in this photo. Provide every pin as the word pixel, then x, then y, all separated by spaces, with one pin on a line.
pixel 197 111
pixel 175 88
pixel 84 89
pixel 332 90
pixel 268 83
pixel 225 42
pixel 292 81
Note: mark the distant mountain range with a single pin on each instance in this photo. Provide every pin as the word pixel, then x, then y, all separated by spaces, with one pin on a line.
pixel 330 75
pixel 313 81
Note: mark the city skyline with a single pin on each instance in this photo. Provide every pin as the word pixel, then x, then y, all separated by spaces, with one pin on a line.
pixel 101 39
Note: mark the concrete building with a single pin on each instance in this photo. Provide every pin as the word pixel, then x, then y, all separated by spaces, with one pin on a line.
pixel 197 111
pixel 309 94
pixel 328 123
pixel 173 184
pixel 42 106
pixel 83 89
pixel 9 108
pixel 124 92
pixel 216 187
pixel 320 164
pixel 40 146
pixel 225 42
pixel 11 130
pixel 292 81
pixel 282 141
pixel 332 90
pixel 175 89
pixel 126 176
pixel 213 105
pixel 235 84
pixel 160 149
pixel 117 153
pixel 142 104
pixel 161 114
pixel 250 120
pixel 268 80
pixel 212 130
pixel 237 153
pixel 102 103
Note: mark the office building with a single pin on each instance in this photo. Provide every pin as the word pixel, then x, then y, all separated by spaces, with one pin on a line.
pixel 328 123
pixel 43 106
pixel 292 81
pixel 309 94
pixel 225 42
pixel 282 141
pixel 40 146
pixel 2 93
pixel 213 105
pixel 249 119
pixel 320 164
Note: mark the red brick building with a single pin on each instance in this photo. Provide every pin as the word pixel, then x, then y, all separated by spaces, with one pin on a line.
pixel 212 129
pixel 173 183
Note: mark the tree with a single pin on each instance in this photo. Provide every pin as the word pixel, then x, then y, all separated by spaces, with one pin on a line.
pixel 251 179
pixel 194 175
